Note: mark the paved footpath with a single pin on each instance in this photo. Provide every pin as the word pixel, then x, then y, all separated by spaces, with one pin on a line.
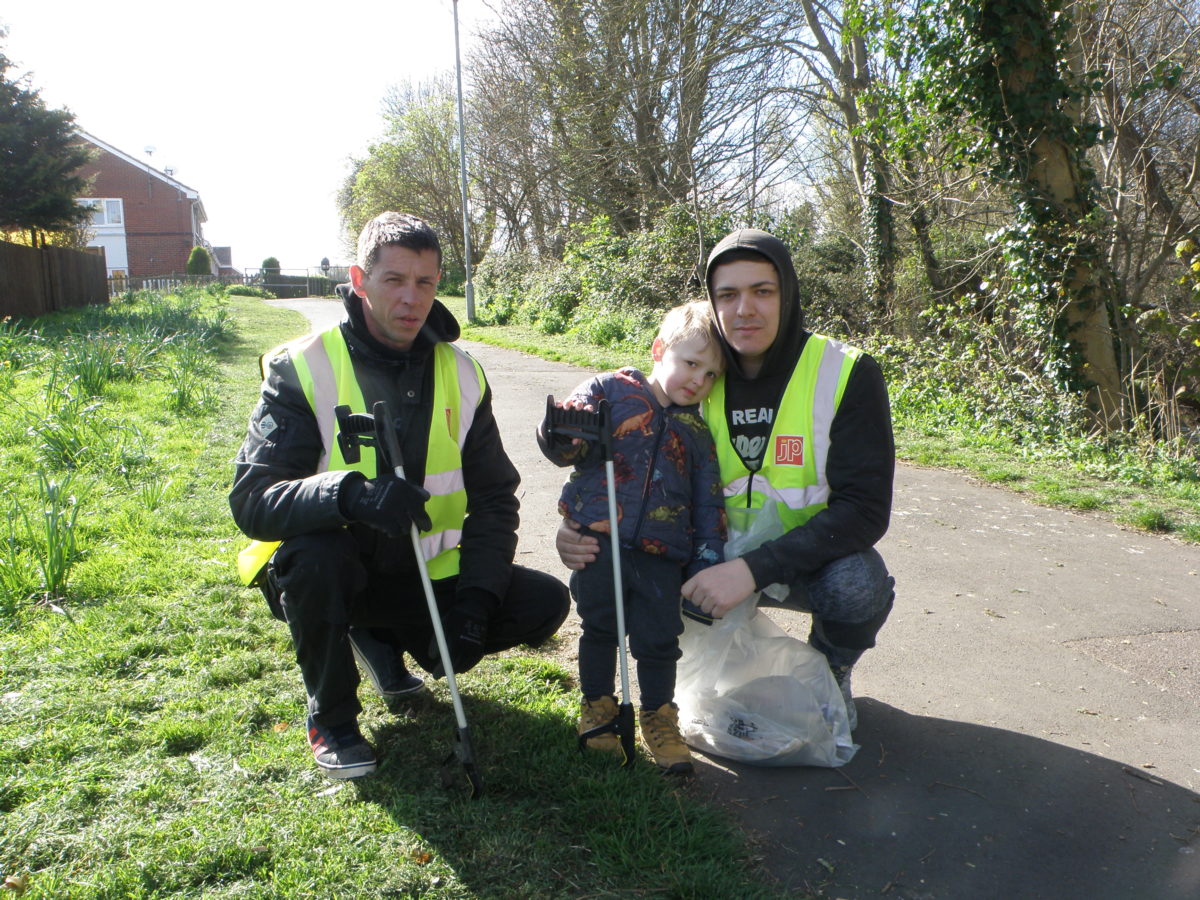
pixel 1029 725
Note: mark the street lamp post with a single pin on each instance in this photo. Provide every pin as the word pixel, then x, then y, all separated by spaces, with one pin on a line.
pixel 469 288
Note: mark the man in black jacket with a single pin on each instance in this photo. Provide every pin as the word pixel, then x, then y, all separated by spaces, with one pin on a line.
pixel 344 576
pixel 802 425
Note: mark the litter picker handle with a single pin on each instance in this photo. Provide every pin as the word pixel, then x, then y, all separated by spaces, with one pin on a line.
pixel 376 430
pixel 597 426
pixel 351 427
pixel 387 434
pixel 582 423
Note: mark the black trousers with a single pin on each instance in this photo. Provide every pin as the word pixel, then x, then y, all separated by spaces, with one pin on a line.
pixel 650 588
pixel 322 584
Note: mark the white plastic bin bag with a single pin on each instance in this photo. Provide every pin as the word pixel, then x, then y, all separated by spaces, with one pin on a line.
pixel 750 692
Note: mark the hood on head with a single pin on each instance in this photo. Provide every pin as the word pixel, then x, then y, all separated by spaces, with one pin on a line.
pixel 788 343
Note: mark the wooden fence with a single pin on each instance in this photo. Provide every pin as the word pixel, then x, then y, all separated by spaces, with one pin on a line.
pixel 34 282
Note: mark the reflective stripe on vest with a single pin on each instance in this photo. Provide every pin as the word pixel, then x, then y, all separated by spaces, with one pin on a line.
pixel 793 469
pixel 326 375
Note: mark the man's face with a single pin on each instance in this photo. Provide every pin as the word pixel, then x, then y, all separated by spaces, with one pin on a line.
pixel 685 372
pixel 398 293
pixel 746 300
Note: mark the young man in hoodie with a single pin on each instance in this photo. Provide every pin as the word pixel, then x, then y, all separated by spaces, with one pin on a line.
pixel 342 571
pixel 801 424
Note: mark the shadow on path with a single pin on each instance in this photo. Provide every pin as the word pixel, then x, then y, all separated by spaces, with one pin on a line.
pixel 932 808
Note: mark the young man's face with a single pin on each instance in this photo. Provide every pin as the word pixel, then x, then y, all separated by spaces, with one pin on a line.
pixel 398 293
pixel 746 300
pixel 685 372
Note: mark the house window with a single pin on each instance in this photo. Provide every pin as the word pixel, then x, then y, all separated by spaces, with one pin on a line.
pixel 104 211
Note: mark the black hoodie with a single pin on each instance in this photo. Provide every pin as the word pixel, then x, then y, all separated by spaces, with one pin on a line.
pixel 862 457
pixel 277 492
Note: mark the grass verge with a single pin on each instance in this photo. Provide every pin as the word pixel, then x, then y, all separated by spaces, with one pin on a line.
pixel 152 711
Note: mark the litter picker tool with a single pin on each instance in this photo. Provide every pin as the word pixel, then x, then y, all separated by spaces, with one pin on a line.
pixel 376 430
pixel 597 426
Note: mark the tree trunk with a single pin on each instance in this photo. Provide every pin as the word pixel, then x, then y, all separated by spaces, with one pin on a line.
pixel 849 85
pixel 1088 290
pixel 933 269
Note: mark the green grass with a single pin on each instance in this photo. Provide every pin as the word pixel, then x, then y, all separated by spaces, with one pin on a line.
pixel 153 738
pixel 1163 505
pixel 1130 484
pixel 566 348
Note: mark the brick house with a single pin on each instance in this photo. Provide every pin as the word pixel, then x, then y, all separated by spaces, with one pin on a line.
pixel 146 221
pixel 223 257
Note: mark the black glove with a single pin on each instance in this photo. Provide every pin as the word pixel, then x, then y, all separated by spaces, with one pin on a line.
pixel 465 628
pixel 695 613
pixel 559 440
pixel 388 503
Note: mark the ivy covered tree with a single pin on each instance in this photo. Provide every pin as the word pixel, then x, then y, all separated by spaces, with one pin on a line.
pixel 39 156
pixel 1002 69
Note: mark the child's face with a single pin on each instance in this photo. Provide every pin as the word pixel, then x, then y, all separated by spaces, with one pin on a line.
pixel 685 372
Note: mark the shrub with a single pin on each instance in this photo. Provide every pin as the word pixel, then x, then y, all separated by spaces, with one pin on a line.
pixel 829 278
pixel 629 279
pixel 246 290
pixel 501 282
pixel 199 262
pixel 454 277
pixel 552 294
pixel 270 266
pixel 291 286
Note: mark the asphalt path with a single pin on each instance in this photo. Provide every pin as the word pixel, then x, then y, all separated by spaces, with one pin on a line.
pixel 1029 725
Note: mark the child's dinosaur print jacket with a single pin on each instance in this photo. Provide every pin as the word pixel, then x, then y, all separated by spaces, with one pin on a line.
pixel 669 499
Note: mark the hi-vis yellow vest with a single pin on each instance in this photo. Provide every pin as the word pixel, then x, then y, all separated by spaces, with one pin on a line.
pixel 792 476
pixel 326 375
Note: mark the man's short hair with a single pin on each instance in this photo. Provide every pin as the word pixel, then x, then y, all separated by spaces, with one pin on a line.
pixel 691 320
pixel 399 229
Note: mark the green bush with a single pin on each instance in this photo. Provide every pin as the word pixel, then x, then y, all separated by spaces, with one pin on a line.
pixel 291 286
pixel 246 290
pixel 501 282
pixel 553 293
pixel 199 262
pixel 829 277
pixel 270 266
pixel 454 278
pixel 609 287
pixel 989 374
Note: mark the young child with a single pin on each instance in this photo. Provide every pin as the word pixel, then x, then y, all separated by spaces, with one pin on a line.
pixel 671 523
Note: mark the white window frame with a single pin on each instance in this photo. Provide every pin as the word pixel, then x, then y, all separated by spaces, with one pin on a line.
pixel 102 210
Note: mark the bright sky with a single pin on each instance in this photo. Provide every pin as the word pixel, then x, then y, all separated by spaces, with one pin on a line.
pixel 256 106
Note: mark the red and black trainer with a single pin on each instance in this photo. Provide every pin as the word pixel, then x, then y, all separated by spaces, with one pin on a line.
pixel 340 750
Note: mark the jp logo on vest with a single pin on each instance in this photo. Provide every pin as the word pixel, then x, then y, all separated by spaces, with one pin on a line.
pixel 789 450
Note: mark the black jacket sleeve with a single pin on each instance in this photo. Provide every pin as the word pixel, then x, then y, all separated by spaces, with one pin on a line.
pixel 860 469
pixel 489 538
pixel 708 505
pixel 275 493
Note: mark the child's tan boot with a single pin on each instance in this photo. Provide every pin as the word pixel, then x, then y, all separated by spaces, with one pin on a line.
pixel 593 714
pixel 660 734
